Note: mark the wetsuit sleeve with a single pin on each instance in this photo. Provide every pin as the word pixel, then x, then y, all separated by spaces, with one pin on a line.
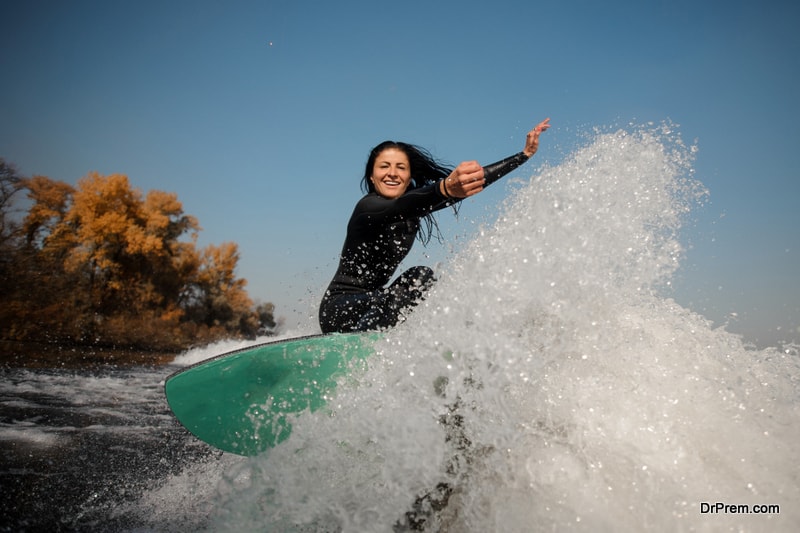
pixel 497 170
pixel 416 202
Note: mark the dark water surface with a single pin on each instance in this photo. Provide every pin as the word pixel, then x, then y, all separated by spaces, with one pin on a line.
pixel 78 445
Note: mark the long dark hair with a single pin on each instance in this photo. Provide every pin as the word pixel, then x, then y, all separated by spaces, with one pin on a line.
pixel 425 170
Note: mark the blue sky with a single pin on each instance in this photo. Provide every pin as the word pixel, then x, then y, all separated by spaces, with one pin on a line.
pixel 259 115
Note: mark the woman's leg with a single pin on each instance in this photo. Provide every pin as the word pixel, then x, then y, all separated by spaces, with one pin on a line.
pixel 342 313
pixel 403 294
pixel 408 289
pixel 375 310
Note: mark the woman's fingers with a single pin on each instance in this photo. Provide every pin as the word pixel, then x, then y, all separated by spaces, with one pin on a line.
pixel 467 179
pixel 543 125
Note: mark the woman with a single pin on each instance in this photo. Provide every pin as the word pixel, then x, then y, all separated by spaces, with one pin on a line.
pixel 404 186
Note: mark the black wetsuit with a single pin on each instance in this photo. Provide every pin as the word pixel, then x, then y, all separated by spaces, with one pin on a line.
pixel 380 234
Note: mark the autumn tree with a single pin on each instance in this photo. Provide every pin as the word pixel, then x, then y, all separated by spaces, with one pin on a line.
pixel 51 200
pixel 105 264
pixel 125 246
pixel 41 290
pixel 266 318
pixel 218 297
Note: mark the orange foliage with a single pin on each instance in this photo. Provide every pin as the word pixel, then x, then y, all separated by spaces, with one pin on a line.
pixel 104 264
pixel 50 202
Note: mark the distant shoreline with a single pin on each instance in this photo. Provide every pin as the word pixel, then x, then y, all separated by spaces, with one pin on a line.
pixel 29 354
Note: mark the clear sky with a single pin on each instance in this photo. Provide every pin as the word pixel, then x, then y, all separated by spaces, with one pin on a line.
pixel 260 115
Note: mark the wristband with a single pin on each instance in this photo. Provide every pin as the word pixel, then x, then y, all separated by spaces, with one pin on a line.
pixel 446 192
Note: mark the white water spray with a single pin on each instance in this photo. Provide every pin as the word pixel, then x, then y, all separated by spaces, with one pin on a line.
pixel 547 385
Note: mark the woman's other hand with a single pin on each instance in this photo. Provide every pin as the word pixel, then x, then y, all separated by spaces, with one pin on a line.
pixel 532 140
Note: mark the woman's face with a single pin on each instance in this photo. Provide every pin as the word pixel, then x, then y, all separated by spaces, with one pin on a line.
pixel 391 173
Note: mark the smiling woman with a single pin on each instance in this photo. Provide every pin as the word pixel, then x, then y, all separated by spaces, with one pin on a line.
pixel 405 185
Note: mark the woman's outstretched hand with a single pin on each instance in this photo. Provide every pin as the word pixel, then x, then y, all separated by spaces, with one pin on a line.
pixel 532 140
pixel 465 180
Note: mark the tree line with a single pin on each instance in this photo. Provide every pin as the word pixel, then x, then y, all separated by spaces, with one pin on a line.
pixel 102 264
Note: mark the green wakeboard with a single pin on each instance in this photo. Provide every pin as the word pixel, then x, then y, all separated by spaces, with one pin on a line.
pixel 239 401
